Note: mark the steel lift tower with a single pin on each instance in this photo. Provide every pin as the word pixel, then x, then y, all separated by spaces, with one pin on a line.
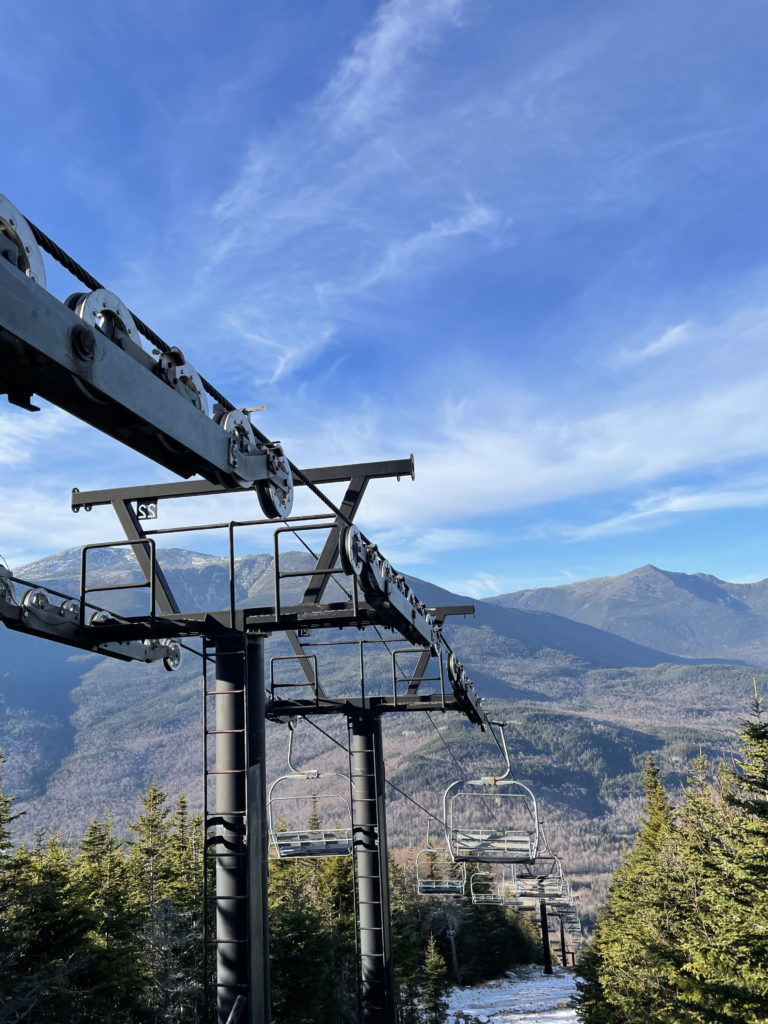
pixel 87 356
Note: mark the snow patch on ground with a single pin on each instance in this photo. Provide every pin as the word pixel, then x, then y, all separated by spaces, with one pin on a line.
pixel 525 996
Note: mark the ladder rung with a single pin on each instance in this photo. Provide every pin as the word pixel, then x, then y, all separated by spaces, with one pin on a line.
pixel 220 814
pixel 219 693
pixel 227 942
pixel 219 732
pixel 225 771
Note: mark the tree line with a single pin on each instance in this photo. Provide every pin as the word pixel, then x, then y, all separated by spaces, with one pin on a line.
pixel 683 936
pixel 110 929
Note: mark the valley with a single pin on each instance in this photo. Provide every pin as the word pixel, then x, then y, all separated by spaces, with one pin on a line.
pixel 83 735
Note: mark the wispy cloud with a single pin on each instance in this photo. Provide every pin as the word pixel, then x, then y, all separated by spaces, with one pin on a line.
pixel 497 450
pixel 412 545
pixel 413 254
pixel 672 338
pixel 37 521
pixel 373 77
pixel 274 358
pixel 482 584
pixel 649 512
pixel 334 204
pixel 485 584
pixel 25 437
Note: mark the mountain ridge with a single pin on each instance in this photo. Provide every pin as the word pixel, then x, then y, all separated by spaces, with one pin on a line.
pixel 694 615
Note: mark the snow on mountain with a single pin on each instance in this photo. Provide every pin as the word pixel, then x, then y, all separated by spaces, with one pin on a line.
pixel 525 996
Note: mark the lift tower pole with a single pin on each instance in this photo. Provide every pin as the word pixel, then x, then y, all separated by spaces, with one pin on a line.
pixel 229 816
pixel 256 830
pixel 242 933
pixel 369 838
pixel 545 937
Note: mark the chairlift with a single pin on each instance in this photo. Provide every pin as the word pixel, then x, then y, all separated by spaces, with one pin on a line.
pixel 543 878
pixel 572 924
pixel 493 889
pixel 564 902
pixel 512 838
pixel 436 873
pixel 289 841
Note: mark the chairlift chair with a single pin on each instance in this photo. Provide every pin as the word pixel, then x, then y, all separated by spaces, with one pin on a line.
pixel 513 836
pixel 564 903
pixel 484 888
pixel 289 841
pixel 503 841
pixel 435 878
pixel 543 878
pixel 494 889
pixel 572 924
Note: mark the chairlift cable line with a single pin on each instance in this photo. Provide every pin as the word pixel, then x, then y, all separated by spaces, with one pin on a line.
pixel 490 810
pixel 453 756
pixel 415 802
pixel 388 781
pixel 442 740
pixel 402 792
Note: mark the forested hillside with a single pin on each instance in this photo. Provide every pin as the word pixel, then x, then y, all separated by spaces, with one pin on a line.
pixel 84 735
pixel 110 931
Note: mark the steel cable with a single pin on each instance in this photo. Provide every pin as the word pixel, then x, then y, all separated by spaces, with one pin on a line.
pixel 388 781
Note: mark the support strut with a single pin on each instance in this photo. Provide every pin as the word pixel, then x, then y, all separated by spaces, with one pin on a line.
pixel 563 950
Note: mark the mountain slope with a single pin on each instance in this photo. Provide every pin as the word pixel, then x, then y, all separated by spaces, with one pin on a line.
pixel 542 629
pixel 692 616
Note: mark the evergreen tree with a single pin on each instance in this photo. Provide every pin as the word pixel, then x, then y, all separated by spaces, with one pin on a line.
pixel 335 901
pixel 301 971
pixel 702 880
pixel 6 817
pixel 165 865
pixel 314 822
pixel 114 975
pixel 434 986
pixel 729 964
pixel 186 890
pixel 691 946
pixel 637 948
pixel 46 938
pixel 150 847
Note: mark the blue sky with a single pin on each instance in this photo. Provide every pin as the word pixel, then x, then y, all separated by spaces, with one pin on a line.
pixel 525 242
